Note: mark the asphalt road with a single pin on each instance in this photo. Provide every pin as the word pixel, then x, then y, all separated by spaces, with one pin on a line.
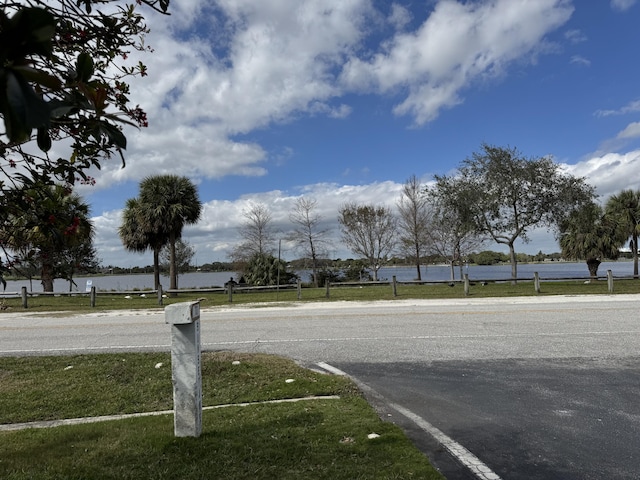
pixel 530 388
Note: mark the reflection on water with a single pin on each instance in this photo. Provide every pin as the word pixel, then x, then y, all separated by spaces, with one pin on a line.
pixel 548 270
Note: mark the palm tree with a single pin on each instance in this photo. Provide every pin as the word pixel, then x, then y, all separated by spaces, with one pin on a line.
pixel 56 222
pixel 138 234
pixel 590 235
pixel 168 203
pixel 624 209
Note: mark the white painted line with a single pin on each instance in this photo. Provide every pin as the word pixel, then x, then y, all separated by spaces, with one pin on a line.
pixel 464 456
pixel 10 427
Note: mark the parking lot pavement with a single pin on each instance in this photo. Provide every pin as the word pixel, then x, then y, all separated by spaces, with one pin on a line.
pixel 569 419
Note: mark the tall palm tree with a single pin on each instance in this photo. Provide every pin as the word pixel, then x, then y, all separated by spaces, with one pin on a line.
pixel 624 209
pixel 56 221
pixel 139 234
pixel 588 234
pixel 168 203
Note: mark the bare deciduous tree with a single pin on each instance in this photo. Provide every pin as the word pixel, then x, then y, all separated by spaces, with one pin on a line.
pixel 414 222
pixel 369 231
pixel 256 232
pixel 308 234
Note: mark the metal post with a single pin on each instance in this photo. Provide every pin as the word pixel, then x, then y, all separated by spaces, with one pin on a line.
pixel 186 370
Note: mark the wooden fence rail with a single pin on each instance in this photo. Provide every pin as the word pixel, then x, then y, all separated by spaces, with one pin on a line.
pixel 230 290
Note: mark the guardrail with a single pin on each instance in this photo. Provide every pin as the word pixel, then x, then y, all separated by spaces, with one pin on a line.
pixel 161 294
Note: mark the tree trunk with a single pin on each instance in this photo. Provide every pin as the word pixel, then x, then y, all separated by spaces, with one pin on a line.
pixel 634 246
pixel 592 265
pixel 173 280
pixel 156 267
pixel 47 276
pixel 453 271
pixel 419 277
pixel 514 264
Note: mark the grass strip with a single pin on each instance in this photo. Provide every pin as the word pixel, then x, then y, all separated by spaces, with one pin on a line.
pixel 323 439
pixel 109 301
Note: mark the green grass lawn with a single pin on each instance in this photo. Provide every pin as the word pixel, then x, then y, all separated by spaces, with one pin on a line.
pixel 111 301
pixel 311 439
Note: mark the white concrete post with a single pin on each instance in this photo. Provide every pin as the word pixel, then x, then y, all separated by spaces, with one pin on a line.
pixel 186 372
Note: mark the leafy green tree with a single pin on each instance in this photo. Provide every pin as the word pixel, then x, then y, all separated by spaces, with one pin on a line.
pixel 588 234
pixel 139 232
pixel 57 222
pixel 64 90
pixel 624 209
pixel 369 231
pixel 264 269
pixel 167 203
pixel 505 195
pixel 452 234
pixel 79 258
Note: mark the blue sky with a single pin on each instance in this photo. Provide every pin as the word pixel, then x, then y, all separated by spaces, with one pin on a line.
pixel 343 100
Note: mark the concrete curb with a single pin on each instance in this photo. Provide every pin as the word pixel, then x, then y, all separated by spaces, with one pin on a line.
pixel 10 427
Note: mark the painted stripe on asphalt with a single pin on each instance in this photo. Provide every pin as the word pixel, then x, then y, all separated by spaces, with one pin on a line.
pixel 464 456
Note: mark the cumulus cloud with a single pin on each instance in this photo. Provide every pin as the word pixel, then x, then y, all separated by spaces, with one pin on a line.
pixel 223 69
pixel 610 172
pixel 457 45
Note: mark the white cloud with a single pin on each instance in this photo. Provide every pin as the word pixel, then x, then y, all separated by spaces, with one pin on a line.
pixel 457 45
pixel 631 107
pixel 610 172
pixel 580 60
pixel 224 69
pixel 575 36
pixel 631 131
pixel 399 16
pixel 622 5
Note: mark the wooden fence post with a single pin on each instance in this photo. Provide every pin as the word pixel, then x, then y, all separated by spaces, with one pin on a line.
pixel 536 282
pixel 466 284
pixel 610 280
pixel 24 297
pixel 92 297
pixel 395 286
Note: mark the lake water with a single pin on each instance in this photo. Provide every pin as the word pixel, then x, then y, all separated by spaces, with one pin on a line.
pixel 548 270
